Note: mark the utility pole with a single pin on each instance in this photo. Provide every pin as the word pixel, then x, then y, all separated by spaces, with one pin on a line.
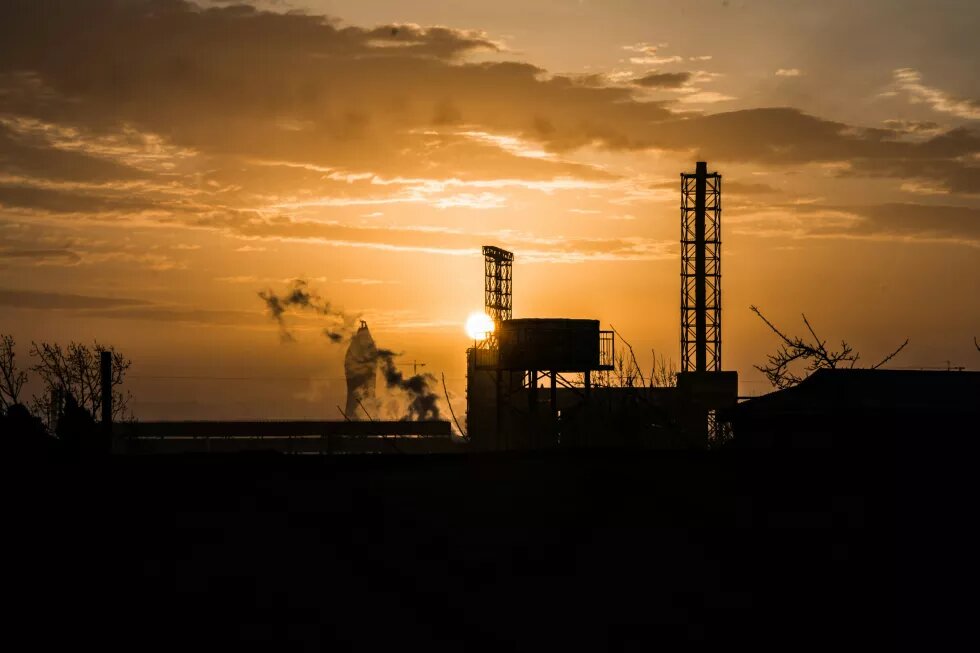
pixel 105 374
pixel 415 367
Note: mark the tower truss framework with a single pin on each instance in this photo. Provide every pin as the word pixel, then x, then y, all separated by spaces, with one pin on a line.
pixel 701 270
pixel 498 287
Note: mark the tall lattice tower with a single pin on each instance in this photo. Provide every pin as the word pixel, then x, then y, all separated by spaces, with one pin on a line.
pixel 498 278
pixel 701 270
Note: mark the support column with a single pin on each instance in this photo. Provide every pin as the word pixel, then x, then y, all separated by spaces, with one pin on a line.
pixel 532 392
pixel 105 369
pixel 554 408
pixel 554 395
pixel 587 376
pixel 700 292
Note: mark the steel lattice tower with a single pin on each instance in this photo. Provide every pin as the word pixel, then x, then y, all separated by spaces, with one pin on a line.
pixel 498 277
pixel 701 270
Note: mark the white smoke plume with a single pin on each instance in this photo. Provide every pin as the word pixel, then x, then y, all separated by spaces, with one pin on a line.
pixel 413 395
pixel 300 297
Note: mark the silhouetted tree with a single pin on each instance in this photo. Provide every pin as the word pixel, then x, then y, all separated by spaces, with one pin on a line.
pixel 623 375
pixel 23 433
pixel 77 430
pixel 12 380
pixel 814 354
pixel 75 371
pixel 626 372
pixel 664 373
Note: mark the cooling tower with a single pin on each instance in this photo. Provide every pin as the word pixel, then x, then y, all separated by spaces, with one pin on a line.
pixel 361 369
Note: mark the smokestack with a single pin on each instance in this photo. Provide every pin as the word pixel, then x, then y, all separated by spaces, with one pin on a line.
pixel 361 370
pixel 700 303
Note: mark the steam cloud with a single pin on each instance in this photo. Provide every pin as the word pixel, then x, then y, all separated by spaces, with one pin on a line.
pixel 363 359
pixel 422 400
pixel 299 296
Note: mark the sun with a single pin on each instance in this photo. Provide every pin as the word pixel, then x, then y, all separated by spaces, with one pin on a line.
pixel 479 326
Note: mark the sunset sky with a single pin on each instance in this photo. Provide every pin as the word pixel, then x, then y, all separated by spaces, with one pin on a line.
pixel 161 162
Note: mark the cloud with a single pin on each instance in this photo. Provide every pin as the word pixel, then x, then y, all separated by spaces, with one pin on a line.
pixel 164 114
pixel 360 281
pixel 923 127
pixel 951 175
pixel 348 99
pixel 909 80
pixel 177 314
pixel 239 278
pixel 644 48
pixel 327 96
pixel 788 72
pixel 313 91
pixel 923 221
pixel 62 201
pixel 893 221
pixel 663 80
pixel 705 97
pixel 686 83
pixel 748 188
pixel 648 54
pixel 655 60
pixel 472 201
pixel 24 154
pixel 46 245
pixel 62 301
pixel 258 229
pixel 788 137
pixel 40 256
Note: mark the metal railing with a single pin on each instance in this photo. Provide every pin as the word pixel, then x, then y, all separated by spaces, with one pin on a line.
pixel 607 350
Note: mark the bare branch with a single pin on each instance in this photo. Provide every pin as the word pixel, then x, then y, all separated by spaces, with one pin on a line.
pixel 814 354
pixel 450 405
pixel 779 333
pixel 890 356
pixel 664 372
pixel 76 370
pixel 636 365
pixel 12 380
pixel 821 344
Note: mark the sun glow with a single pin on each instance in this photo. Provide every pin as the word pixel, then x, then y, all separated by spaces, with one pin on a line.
pixel 479 326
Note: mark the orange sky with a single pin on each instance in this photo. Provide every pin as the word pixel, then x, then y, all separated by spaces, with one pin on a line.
pixel 161 162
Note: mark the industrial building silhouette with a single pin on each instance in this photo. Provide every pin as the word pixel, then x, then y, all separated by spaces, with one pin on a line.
pixel 506 408
pixel 540 383
pixel 531 383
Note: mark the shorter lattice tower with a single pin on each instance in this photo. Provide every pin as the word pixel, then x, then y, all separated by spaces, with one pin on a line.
pixel 498 279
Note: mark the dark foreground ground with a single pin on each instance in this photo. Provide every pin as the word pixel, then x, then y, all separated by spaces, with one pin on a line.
pixel 596 550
